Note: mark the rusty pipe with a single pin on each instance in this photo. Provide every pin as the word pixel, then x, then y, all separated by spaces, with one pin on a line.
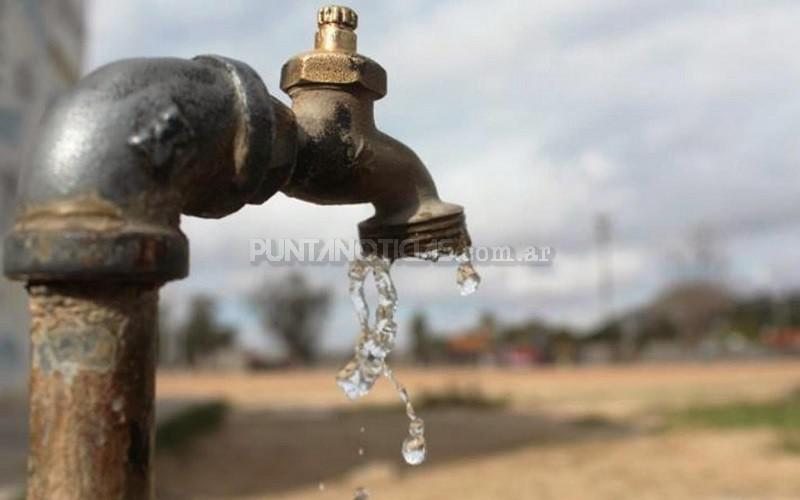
pixel 92 388
pixel 344 158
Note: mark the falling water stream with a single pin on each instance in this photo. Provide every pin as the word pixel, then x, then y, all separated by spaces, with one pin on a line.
pixel 377 340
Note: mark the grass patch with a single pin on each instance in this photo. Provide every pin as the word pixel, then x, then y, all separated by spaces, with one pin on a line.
pixel 592 422
pixel 455 397
pixel 782 414
pixel 176 432
pixel 790 442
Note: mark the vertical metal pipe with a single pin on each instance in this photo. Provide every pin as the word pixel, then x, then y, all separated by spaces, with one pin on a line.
pixel 92 391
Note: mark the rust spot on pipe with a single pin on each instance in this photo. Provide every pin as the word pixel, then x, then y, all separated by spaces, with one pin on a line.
pixel 67 351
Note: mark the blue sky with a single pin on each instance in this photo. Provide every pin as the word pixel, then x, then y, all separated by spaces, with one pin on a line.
pixel 668 115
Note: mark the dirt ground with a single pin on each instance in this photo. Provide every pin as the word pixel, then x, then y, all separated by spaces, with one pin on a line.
pixel 588 433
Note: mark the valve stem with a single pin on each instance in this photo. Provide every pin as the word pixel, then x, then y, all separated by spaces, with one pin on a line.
pixel 336 29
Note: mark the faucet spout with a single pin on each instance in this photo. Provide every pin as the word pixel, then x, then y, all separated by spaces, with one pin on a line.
pixel 342 157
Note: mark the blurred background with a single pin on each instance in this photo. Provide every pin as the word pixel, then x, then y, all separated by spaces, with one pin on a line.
pixel 651 145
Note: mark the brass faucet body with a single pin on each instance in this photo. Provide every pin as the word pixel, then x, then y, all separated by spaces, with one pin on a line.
pixel 343 157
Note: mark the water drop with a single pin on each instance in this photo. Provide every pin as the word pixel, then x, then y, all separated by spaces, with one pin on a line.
pixel 350 380
pixel 417 427
pixel 361 452
pixel 358 273
pixel 361 494
pixel 363 429
pixel 321 486
pixel 431 255
pixel 414 450
pixel 466 276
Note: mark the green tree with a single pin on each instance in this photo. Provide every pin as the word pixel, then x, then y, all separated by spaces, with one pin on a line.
pixel 695 308
pixel 422 347
pixel 488 322
pixel 202 335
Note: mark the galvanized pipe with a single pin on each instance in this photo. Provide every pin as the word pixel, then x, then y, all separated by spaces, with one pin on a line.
pixel 92 391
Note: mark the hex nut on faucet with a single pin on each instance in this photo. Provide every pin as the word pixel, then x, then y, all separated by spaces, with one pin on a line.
pixel 334 59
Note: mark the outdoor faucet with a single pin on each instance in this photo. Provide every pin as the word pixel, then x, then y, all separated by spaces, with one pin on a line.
pixel 343 158
pixel 119 159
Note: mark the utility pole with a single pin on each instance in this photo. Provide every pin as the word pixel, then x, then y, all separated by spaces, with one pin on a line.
pixel 605 269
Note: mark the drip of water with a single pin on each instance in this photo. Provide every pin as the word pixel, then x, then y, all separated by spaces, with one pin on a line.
pixel 467 278
pixel 361 494
pixel 413 448
pixel 376 341
pixel 431 255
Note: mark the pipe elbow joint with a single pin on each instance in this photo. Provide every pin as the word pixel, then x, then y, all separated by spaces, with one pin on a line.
pixel 137 143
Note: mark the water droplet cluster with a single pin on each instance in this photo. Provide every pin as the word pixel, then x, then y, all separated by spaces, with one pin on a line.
pixel 377 340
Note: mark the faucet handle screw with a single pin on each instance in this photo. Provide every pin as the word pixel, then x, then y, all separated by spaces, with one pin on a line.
pixel 336 14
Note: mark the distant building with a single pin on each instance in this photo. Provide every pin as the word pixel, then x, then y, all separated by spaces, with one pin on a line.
pixel 784 340
pixel 518 356
pixel 470 347
pixel 528 345
pixel 41 48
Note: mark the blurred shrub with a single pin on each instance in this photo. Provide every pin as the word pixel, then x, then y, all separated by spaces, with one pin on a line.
pixel 781 414
pixel 593 421
pixel 176 432
pixel 790 442
pixel 455 397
